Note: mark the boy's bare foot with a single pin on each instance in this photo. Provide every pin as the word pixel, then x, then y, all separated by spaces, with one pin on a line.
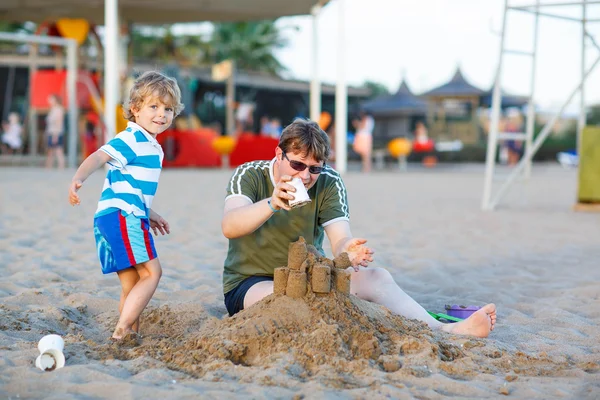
pixel 479 324
pixel 129 338
pixel 121 333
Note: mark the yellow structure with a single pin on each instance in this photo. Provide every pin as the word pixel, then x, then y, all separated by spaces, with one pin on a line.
pixel 224 145
pixel 399 147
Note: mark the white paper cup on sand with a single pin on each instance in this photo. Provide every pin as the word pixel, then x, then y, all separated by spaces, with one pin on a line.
pixel 51 353
pixel 300 195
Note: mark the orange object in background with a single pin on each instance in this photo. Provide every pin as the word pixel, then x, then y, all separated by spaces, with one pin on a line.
pixel 430 161
pixel 73 28
pixel 324 120
pixel 399 147
pixel 223 145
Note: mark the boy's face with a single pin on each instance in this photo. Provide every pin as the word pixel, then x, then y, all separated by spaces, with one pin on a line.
pixel 154 115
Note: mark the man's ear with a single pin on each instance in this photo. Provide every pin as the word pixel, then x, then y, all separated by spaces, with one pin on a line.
pixel 278 153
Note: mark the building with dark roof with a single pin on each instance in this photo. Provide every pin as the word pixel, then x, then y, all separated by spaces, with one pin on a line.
pixel 395 115
pixel 452 110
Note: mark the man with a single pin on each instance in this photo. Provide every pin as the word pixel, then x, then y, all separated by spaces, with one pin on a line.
pixel 260 224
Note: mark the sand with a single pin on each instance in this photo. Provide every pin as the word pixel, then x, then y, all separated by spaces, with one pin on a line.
pixel 534 257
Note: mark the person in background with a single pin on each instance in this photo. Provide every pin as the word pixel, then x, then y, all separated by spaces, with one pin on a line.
pixel 276 128
pixel 55 129
pixel 11 138
pixel 363 141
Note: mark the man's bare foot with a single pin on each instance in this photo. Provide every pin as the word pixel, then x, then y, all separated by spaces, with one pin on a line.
pixel 479 324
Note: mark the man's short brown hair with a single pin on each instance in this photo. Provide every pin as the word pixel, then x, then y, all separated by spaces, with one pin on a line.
pixel 305 137
pixel 146 86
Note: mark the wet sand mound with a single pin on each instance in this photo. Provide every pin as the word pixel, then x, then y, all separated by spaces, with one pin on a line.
pixel 335 331
pixel 312 324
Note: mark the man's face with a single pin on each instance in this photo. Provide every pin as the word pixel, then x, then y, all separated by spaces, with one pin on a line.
pixel 290 163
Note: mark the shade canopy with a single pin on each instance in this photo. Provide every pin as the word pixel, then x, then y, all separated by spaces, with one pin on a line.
pixel 508 100
pixel 155 11
pixel 457 86
pixel 401 102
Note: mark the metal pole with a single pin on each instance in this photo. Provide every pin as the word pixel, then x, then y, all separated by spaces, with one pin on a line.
pixel 531 105
pixel 539 140
pixel 230 94
pixel 490 159
pixel 582 117
pixel 111 67
pixel 10 83
pixel 315 84
pixel 33 115
pixel 341 97
pixel 72 95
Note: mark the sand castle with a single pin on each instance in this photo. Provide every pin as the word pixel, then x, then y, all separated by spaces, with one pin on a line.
pixel 308 271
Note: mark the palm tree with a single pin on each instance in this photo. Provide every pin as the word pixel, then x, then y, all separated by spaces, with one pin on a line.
pixel 250 44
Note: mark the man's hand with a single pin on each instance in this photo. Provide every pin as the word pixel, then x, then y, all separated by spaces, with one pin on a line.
pixel 281 194
pixel 73 196
pixel 358 253
pixel 158 224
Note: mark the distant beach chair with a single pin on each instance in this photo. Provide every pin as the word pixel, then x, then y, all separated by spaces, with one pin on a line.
pixel 568 159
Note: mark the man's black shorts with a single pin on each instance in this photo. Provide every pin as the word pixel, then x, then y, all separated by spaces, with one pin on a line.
pixel 234 299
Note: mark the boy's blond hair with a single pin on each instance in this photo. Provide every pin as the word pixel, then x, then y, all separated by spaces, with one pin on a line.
pixel 145 86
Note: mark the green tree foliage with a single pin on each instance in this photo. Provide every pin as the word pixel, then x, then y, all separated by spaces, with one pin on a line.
pixel 159 43
pixel 593 115
pixel 377 89
pixel 250 44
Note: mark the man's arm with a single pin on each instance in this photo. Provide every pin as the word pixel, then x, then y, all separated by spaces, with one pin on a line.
pixel 341 240
pixel 242 217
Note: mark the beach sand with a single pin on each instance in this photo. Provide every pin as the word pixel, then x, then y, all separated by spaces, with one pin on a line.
pixel 534 257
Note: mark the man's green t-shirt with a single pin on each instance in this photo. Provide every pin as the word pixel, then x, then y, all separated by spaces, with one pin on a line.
pixel 265 249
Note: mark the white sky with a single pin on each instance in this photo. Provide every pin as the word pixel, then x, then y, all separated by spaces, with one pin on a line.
pixel 425 40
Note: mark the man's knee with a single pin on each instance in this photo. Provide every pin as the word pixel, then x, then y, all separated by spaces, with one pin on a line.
pixel 367 281
pixel 377 275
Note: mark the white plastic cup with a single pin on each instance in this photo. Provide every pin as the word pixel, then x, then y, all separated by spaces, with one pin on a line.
pixel 51 353
pixel 301 196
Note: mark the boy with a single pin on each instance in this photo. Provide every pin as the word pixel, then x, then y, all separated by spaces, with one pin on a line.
pixel 124 214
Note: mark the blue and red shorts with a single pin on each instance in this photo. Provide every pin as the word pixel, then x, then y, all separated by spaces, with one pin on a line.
pixel 122 241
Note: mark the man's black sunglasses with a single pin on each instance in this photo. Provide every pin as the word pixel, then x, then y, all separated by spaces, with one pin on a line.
pixel 299 166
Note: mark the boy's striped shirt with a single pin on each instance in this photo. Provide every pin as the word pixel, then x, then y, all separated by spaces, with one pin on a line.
pixel 134 170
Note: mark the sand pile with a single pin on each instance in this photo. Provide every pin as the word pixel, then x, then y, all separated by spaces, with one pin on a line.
pixel 307 333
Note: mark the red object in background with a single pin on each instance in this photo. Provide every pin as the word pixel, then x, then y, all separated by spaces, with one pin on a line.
pixel 423 147
pixel 251 147
pixel 90 145
pixel 193 148
pixel 190 148
pixel 47 82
